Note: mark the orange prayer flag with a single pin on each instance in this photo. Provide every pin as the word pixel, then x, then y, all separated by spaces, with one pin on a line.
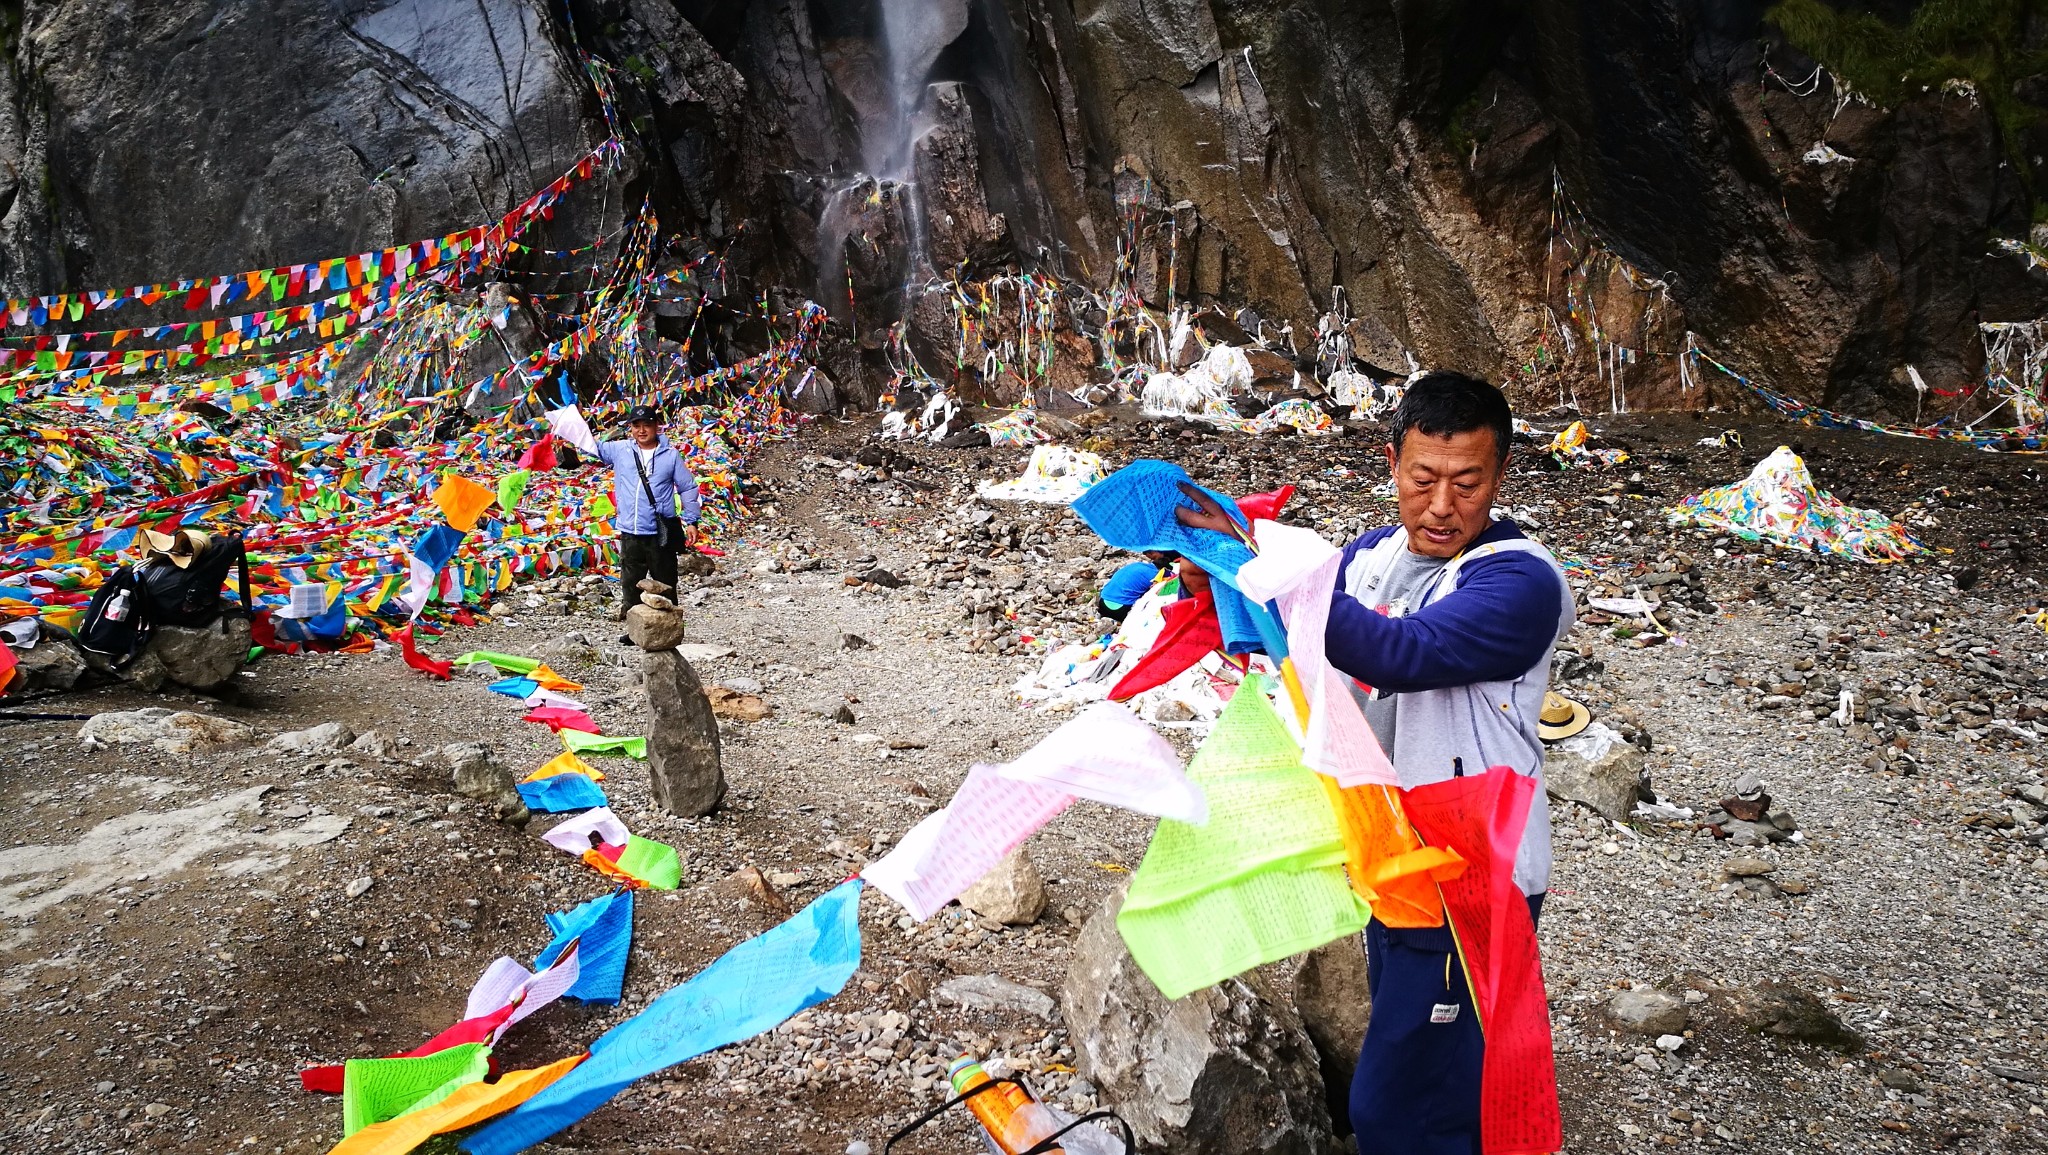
pixel 468 1106
pixel 462 501
pixel 549 680
pixel 1389 866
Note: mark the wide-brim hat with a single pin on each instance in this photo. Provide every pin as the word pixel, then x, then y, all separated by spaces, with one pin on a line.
pixel 177 548
pixel 1561 717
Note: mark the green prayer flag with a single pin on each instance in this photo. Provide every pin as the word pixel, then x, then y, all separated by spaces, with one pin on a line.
pixel 655 863
pixel 373 1090
pixel 578 742
pixel 510 663
pixel 1262 880
pixel 511 488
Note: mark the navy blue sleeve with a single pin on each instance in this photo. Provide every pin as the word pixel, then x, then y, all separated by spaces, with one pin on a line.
pixel 1497 625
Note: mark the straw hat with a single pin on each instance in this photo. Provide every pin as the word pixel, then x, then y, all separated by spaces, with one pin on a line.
pixel 1561 718
pixel 177 548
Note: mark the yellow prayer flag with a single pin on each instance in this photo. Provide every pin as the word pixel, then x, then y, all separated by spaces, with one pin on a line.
pixel 565 763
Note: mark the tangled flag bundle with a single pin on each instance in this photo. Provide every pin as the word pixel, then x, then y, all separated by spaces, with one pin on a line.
pixel 1779 503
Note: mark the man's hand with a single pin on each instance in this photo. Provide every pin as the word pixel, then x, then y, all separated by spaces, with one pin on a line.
pixel 690 534
pixel 1208 514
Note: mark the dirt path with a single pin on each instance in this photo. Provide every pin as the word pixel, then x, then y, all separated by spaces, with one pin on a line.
pixel 168 976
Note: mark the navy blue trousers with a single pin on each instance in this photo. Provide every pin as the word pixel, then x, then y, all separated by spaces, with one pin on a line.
pixel 1416 1091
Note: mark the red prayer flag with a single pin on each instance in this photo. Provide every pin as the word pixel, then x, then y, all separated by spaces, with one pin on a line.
pixel 1265 506
pixel 1482 818
pixel 560 718
pixel 7 665
pixel 539 455
pixel 418 661
pixel 1191 631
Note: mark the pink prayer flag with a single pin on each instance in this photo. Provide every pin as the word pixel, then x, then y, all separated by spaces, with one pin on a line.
pixel 950 850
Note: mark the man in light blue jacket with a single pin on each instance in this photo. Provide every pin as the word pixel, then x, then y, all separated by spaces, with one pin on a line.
pixel 650 484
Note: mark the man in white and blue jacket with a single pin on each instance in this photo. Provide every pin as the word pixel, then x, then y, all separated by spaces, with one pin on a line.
pixel 649 482
pixel 1447 622
pixel 1451 618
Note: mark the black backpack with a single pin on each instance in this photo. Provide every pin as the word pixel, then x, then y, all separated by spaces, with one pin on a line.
pixel 115 628
pixel 191 596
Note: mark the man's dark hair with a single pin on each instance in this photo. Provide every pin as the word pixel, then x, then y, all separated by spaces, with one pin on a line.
pixel 1443 404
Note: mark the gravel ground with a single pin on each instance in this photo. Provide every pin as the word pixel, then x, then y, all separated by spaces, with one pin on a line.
pixel 167 976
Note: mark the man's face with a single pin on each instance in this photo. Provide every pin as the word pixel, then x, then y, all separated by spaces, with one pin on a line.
pixel 646 434
pixel 1446 487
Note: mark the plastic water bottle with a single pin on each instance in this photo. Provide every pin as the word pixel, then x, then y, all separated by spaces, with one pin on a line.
pixel 117 606
pixel 1011 1120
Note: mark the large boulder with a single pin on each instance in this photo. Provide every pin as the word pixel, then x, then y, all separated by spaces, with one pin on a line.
pixel 1227 1070
pixel 684 765
pixel 172 731
pixel 1334 1000
pixel 1596 767
pixel 203 658
pixel 54 664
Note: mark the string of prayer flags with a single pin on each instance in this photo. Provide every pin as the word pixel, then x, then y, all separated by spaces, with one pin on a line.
pixel 379 1089
pixel 566 763
pixel 462 501
pixel 951 848
pixel 1263 879
pixel 601 932
pixel 408 649
pixel 559 718
pixel 573 836
pixel 1297 570
pixel 560 793
pixel 750 989
pixel 470 1104
pixel 1109 755
pixel 578 742
pixel 638 862
pixel 1483 818
pixel 506 984
pixel 509 663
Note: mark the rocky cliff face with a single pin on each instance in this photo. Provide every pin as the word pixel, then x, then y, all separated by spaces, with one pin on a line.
pixel 1405 161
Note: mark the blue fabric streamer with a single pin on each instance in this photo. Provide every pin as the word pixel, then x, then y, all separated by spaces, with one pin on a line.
pixel 749 989
pixel 605 926
pixel 1133 509
pixel 436 546
pixel 559 792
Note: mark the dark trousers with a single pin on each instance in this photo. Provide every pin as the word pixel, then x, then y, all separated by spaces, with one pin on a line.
pixel 1416 1091
pixel 640 557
